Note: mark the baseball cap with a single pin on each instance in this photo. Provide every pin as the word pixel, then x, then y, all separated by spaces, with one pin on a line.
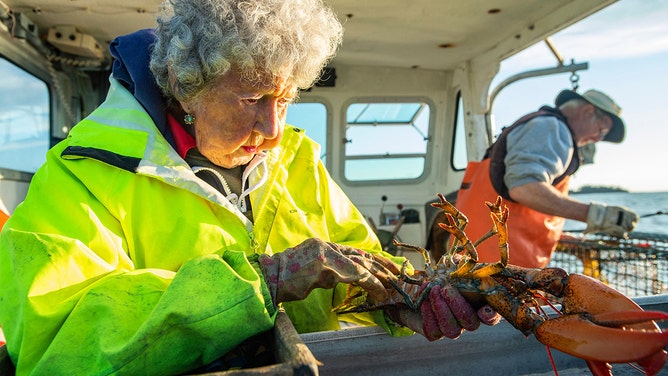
pixel 603 102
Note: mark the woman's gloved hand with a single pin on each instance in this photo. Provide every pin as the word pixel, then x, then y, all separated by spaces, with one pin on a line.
pixel 445 313
pixel 293 273
pixel 613 220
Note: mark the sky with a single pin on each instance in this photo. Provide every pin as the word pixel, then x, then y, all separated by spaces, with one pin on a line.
pixel 626 47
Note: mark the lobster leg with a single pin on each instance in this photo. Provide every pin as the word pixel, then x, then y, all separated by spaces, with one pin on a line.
pixel 447 207
pixel 499 215
pixel 466 263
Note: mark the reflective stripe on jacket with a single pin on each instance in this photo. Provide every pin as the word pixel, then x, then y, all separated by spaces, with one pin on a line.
pixel 121 261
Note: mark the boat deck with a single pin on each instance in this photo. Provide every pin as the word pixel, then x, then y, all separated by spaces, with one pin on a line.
pixel 497 350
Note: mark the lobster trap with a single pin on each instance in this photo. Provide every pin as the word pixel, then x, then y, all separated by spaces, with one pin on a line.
pixel 637 266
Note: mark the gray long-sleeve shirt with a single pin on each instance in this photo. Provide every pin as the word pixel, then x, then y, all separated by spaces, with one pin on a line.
pixel 538 151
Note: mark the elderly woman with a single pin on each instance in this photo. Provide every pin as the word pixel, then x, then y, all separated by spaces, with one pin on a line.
pixel 169 225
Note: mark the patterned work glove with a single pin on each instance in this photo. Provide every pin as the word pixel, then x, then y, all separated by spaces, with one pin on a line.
pixel 445 313
pixel 293 273
pixel 613 220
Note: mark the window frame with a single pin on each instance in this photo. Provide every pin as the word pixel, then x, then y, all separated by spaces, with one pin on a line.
pixel 343 158
pixel 327 155
pixel 39 73
pixel 459 104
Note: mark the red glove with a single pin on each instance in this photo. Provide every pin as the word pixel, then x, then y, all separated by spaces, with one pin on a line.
pixel 445 313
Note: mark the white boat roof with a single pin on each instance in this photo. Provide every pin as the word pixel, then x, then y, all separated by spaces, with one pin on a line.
pixel 426 34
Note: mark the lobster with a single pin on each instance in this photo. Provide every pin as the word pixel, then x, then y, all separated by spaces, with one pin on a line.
pixel 596 323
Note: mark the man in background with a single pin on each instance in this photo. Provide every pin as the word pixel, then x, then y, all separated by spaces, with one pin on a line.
pixel 529 165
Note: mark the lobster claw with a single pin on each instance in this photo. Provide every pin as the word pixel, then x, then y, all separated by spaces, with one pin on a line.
pixel 586 337
pixel 601 325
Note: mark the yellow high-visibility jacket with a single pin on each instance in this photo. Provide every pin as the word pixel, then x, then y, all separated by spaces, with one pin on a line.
pixel 120 260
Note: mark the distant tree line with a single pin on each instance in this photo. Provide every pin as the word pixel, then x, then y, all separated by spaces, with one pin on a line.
pixel 598 189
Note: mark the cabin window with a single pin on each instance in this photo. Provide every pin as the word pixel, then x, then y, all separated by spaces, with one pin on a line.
pixel 459 156
pixel 24 119
pixel 386 141
pixel 312 118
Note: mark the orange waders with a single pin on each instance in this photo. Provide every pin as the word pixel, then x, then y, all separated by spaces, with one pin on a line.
pixel 532 236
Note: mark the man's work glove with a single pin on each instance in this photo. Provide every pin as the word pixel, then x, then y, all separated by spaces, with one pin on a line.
pixel 613 220
pixel 292 274
pixel 445 313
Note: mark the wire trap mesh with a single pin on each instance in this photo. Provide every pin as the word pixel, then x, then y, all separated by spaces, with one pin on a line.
pixel 637 266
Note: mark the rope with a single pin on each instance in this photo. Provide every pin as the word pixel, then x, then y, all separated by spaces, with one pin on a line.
pixel 56 82
pixel 660 212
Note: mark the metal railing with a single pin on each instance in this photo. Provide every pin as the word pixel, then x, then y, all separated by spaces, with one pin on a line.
pixel 637 266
